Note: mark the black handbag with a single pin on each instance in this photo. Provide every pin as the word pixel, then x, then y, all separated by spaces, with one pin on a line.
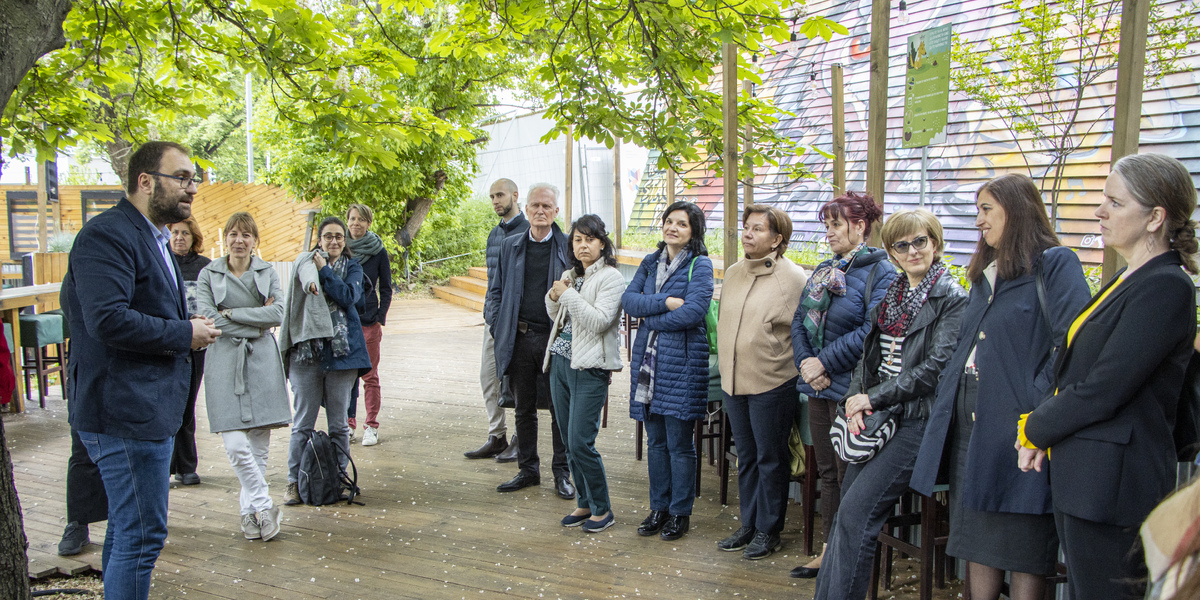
pixel 878 429
pixel 507 399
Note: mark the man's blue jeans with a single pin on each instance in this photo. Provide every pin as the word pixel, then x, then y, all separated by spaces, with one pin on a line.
pixel 136 476
pixel 671 460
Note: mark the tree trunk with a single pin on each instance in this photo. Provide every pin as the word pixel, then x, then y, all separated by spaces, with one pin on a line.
pixel 28 29
pixel 14 562
pixel 418 209
pixel 119 150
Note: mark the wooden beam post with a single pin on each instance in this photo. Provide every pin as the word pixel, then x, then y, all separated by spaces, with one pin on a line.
pixel 839 129
pixel 747 144
pixel 1127 114
pixel 730 132
pixel 618 211
pixel 877 104
pixel 568 187
pixel 42 202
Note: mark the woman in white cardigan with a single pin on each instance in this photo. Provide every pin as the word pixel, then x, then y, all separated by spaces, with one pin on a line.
pixel 586 306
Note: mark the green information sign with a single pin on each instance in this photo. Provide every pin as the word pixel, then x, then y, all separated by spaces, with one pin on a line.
pixel 927 87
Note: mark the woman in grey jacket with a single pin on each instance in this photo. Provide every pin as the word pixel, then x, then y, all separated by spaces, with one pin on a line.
pixel 586 306
pixel 244 386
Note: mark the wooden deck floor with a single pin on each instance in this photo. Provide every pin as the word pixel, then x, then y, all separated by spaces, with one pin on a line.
pixel 433 525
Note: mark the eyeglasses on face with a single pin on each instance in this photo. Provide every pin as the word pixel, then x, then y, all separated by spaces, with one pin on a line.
pixel 918 243
pixel 184 181
pixel 333 237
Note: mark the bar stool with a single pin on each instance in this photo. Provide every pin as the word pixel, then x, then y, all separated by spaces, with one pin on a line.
pixel 927 512
pixel 66 333
pixel 38 332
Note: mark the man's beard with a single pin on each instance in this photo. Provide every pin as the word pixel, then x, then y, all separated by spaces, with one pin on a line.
pixel 507 210
pixel 167 210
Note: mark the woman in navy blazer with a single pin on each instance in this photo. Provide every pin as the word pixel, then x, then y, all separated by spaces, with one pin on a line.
pixel 1000 518
pixel 1108 427
pixel 671 292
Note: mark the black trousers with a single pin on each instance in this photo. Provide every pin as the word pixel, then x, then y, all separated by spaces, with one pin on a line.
pixel 87 501
pixel 532 388
pixel 183 459
pixel 1103 561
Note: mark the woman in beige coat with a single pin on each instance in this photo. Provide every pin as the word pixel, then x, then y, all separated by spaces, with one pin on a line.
pixel 585 305
pixel 758 375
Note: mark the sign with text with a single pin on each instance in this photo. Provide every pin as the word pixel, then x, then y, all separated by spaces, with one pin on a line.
pixel 927 87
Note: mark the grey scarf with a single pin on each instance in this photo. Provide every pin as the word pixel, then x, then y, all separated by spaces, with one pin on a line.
pixel 365 247
pixel 309 352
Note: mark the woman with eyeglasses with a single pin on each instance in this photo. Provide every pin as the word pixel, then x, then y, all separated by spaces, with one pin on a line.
pixel 1000 518
pixel 914 330
pixel 324 348
pixel 1108 427
pixel 187 243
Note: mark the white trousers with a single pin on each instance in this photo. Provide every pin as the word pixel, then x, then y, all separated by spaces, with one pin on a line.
pixel 247 450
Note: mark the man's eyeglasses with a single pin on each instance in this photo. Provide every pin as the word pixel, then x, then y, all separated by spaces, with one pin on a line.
pixel 918 242
pixel 333 237
pixel 184 182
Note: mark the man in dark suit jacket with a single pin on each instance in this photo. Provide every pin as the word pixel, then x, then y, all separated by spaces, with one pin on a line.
pixel 130 356
pixel 530 262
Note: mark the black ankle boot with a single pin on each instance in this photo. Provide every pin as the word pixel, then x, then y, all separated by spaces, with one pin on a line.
pixel 674 528
pixel 653 523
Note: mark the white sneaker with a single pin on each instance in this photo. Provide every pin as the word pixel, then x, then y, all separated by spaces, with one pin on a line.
pixel 250 526
pixel 268 523
pixel 370 436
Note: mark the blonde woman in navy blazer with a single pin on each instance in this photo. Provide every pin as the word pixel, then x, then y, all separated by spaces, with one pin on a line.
pixel 1107 430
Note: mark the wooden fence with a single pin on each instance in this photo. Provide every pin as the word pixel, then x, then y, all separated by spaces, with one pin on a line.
pixel 282 222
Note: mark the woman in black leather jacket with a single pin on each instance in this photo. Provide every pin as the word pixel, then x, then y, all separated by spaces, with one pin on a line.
pixel 914 333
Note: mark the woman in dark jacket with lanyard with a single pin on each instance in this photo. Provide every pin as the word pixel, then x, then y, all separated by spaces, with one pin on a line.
pixel 914 330
pixel 1107 429
pixel 669 364
pixel 186 244
pixel 323 367
pixel 828 332
pixel 1000 518
pixel 367 248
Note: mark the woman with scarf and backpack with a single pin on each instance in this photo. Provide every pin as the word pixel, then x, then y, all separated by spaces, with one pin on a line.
pixel 828 331
pixel 367 248
pixel 913 332
pixel 671 292
pixel 322 342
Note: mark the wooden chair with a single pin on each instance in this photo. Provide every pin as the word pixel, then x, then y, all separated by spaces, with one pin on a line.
pixel 38 333
pixel 914 510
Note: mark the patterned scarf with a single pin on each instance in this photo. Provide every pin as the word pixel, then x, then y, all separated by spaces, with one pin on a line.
pixel 309 352
pixel 828 281
pixel 645 375
pixel 899 307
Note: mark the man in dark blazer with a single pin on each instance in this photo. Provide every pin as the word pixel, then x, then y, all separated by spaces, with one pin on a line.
pixel 130 354
pixel 530 262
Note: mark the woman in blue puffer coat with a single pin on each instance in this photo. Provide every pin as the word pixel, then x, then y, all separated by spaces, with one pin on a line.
pixel 669 363
pixel 828 332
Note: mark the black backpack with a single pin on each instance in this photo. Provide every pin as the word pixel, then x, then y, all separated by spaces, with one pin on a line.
pixel 321 481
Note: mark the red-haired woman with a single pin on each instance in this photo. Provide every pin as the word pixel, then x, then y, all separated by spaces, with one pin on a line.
pixel 828 332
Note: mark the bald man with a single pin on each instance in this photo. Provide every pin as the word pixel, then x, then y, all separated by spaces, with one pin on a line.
pixel 503 194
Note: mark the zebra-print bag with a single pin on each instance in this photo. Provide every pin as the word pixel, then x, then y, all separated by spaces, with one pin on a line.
pixel 879 427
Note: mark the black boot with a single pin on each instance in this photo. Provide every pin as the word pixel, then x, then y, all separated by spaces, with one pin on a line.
pixel 653 523
pixel 675 528
pixel 495 445
pixel 510 453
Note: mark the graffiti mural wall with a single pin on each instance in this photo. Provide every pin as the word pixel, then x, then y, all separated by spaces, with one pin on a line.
pixel 978 145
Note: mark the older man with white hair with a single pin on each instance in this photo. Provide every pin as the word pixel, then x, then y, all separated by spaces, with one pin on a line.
pixel 529 264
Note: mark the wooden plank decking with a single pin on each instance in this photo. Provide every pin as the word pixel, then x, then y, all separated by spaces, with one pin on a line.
pixel 433 525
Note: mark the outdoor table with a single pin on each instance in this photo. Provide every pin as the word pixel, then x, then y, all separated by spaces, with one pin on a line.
pixel 12 300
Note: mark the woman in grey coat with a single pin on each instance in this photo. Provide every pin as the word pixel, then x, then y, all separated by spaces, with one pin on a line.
pixel 244 385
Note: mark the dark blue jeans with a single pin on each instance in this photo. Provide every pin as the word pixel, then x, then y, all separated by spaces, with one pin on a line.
pixel 671 459
pixel 579 397
pixel 136 479
pixel 869 492
pixel 761 425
